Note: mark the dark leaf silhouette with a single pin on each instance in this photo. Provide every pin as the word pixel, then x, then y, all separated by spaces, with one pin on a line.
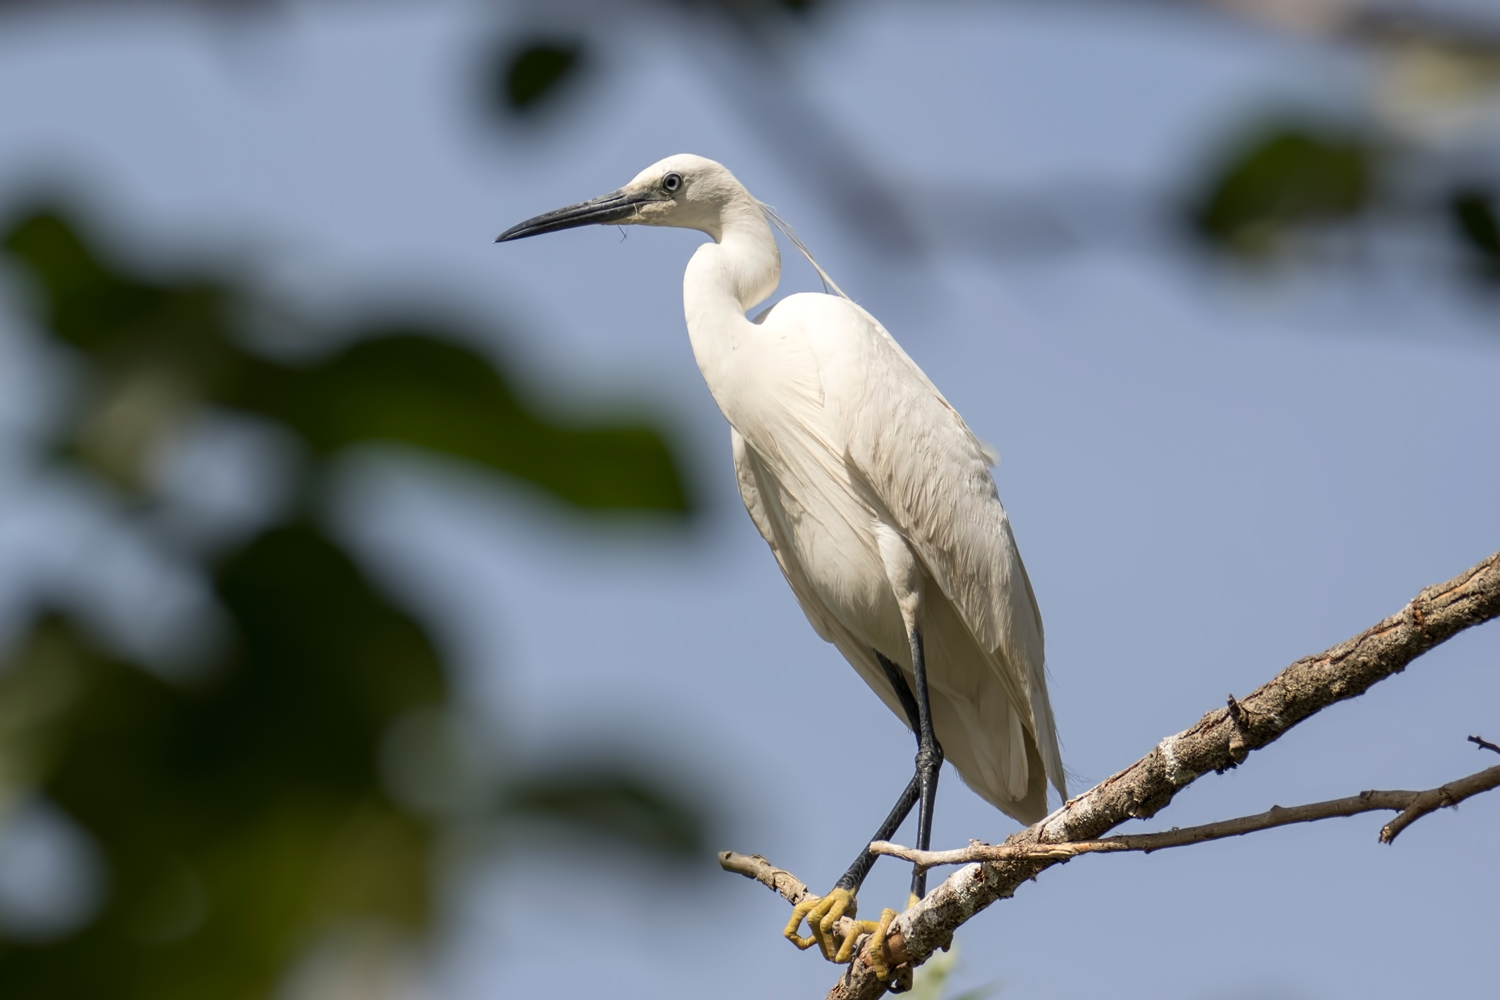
pixel 156 350
pixel 609 801
pixel 92 305
pixel 241 815
pixel 1281 180
pixel 416 387
pixel 528 74
pixel 1474 216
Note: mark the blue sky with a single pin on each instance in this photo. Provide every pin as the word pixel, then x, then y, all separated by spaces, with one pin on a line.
pixel 1209 473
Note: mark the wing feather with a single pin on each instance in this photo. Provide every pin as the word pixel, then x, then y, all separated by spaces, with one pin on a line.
pixel 762 506
pixel 925 470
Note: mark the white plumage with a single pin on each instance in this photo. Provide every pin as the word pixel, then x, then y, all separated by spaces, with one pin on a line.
pixel 872 492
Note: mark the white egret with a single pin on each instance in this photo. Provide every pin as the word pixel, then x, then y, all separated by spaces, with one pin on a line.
pixel 876 500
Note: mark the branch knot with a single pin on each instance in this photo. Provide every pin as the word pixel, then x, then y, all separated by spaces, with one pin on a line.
pixel 1239 717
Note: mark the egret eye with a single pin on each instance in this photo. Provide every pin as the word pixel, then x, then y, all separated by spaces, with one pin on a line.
pixel 672 183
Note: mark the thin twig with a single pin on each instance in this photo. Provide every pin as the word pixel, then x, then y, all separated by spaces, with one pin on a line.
pixel 778 880
pixel 1411 805
pixel 1434 799
pixel 1484 744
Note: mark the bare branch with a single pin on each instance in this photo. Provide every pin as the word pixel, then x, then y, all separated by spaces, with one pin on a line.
pixel 1222 739
pixel 1411 805
pixel 1484 744
pixel 1434 799
pixel 778 880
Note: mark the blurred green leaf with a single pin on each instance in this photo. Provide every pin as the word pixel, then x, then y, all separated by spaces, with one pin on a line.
pixel 241 816
pixel 332 659
pixel 530 72
pixel 1473 214
pixel 93 306
pixel 1281 180
pixel 154 351
pixel 415 386
pixel 609 802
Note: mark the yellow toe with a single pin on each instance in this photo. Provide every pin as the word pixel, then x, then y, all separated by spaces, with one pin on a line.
pixel 823 913
pixel 801 910
pixel 879 957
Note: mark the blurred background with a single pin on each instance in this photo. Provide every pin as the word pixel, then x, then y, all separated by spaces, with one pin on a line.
pixel 379 617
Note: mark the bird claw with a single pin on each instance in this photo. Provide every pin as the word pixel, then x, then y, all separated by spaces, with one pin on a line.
pixel 879 954
pixel 822 914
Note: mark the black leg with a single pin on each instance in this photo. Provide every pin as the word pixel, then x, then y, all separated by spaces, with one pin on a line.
pixel 903 693
pixel 855 876
pixel 929 761
pixel 923 785
pixel 822 912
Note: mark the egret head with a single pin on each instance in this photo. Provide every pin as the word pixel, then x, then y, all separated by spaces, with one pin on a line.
pixel 684 191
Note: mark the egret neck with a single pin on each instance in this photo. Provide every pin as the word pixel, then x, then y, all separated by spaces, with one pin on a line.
pixel 724 280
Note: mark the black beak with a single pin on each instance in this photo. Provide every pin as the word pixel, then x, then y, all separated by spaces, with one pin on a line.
pixel 617 206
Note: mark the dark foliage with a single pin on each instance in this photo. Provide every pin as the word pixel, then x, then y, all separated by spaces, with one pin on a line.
pixel 1474 216
pixel 528 74
pixel 609 797
pixel 242 815
pixel 1282 180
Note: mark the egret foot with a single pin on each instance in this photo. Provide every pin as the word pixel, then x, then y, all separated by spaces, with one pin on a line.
pixel 822 914
pixel 879 956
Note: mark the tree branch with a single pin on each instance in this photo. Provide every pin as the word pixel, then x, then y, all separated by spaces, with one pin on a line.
pixel 1483 744
pixel 1222 739
pixel 779 880
pixel 1412 806
pixel 1434 799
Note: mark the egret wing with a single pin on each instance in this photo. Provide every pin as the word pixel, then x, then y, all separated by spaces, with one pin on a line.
pixel 927 472
pixel 761 504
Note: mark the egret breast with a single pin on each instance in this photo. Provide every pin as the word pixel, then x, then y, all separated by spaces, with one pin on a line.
pixel 766 379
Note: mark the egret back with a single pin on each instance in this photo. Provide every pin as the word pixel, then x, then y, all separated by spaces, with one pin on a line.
pixel 905 458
